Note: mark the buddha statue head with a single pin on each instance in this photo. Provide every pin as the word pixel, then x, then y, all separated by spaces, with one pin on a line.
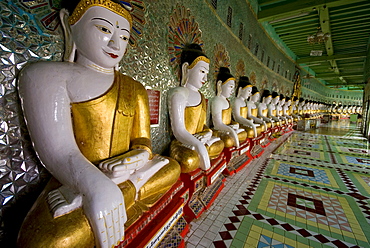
pixel 97 32
pixel 301 102
pixel 194 66
pixel 288 101
pixel 281 100
pixel 225 82
pixel 244 87
pixel 295 101
pixel 266 97
pixel 255 94
pixel 275 98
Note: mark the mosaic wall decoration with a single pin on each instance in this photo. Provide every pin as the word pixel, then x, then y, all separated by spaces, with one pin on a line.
pixel 240 69
pixel 183 29
pixel 221 58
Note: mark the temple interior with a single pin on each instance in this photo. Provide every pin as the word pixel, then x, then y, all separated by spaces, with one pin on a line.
pixel 273 152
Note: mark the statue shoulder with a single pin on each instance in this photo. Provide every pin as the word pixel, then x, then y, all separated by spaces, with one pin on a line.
pixel 46 72
pixel 218 102
pixel 182 92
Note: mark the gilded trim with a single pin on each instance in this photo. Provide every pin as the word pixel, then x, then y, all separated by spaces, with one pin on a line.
pixel 84 5
pixel 200 58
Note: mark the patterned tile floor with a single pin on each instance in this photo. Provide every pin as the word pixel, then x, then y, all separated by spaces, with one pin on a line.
pixel 309 189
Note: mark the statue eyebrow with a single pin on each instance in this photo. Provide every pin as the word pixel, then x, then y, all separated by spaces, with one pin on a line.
pixel 124 29
pixel 102 19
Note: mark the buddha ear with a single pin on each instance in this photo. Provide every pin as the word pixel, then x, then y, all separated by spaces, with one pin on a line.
pixel 219 88
pixel 184 73
pixel 69 46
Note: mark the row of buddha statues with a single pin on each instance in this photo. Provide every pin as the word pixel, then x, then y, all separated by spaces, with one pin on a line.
pixel 90 127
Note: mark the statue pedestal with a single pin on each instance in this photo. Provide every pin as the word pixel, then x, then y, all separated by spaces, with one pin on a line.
pixel 203 187
pixel 237 158
pixel 151 228
pixel 257 149
pixel 303 125
pixel 265 142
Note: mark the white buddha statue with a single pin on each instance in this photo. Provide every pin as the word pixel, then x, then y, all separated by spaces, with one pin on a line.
pixel 194 145
pixel 263 108
pixel 272 108
pixel 252 105
pixel 286 109
pixel 221 111
pixel 280 109
pixel 90 128
pixel 240 109
pixel 294 109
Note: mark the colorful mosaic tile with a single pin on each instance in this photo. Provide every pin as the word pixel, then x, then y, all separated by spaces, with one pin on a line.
pixel 304 153
pixel 308 208
pixel 353 160
pixel 304 173
pixel 354 151
pixel 306 145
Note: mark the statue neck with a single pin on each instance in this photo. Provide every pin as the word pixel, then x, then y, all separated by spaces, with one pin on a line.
pixel 191 87
pixel 81 60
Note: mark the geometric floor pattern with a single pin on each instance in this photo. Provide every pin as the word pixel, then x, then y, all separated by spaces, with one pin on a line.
pixel 310 189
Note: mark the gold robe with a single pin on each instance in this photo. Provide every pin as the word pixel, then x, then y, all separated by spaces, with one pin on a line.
pixel 227 138
pixel 195 122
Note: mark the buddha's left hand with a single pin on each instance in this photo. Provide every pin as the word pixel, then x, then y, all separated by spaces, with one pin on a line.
pixel 125 164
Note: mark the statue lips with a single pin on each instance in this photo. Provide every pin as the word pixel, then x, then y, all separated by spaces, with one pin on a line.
pixel 112 55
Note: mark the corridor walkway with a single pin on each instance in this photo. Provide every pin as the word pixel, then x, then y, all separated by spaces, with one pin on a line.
pixel 310 189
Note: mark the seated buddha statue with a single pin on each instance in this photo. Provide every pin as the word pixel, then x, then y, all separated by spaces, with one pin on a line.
pixel 194 144
pixel 90 127
pixel 345 109
pixel 272 108
pixel 294 109
pixel 300 107
pixel 359 109
pixel 263 108
pixel 286 110
pixel 221 111
pixel 307 110
pixel 240 109
pixel 252 105
pixel 279 109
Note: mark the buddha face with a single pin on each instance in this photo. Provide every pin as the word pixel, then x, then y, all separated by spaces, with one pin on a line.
pixel 197 75
pixel 246 92
pixel 255 97
pixel 228 88
pixel 101 36
pixel 275 100
pixel 267 99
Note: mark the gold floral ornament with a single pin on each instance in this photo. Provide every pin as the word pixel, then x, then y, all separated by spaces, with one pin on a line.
pixel 264 83
pixel 132 10
pixel 297 84
pixel 222 58
pixel 183 29
pixel 240 69
pixel 274 86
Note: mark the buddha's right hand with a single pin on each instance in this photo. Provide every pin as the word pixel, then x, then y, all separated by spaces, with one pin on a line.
pixel 126 164
pixel 104 207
